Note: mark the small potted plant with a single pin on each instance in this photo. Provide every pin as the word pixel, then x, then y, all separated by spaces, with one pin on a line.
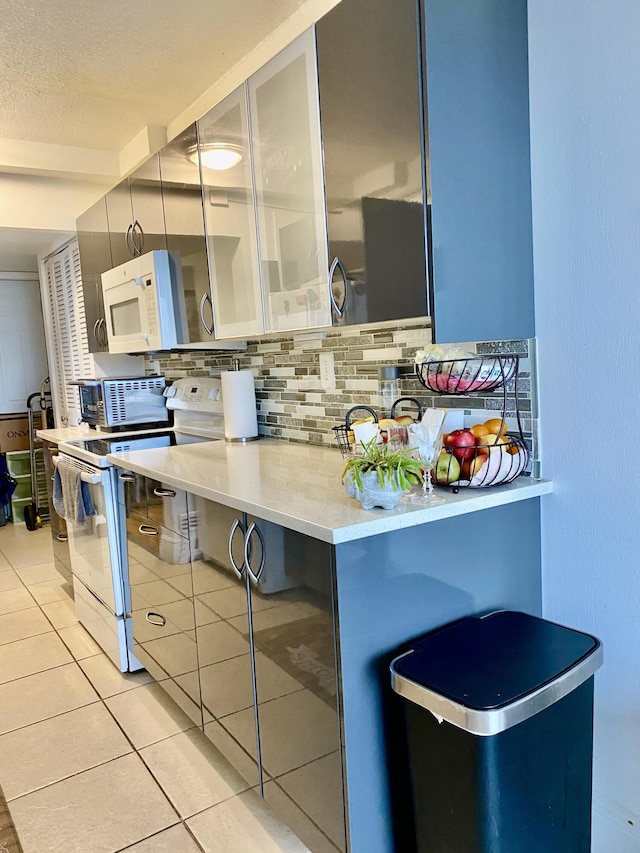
pixel 380 476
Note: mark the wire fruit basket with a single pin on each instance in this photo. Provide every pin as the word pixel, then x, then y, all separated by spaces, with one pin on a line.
pixel 344 433
pixel 491 457
pixel 467 375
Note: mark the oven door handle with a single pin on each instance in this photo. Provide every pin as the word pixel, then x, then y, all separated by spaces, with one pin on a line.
pixel 92 479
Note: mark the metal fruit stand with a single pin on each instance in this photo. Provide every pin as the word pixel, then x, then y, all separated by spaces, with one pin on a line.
pixel 483 464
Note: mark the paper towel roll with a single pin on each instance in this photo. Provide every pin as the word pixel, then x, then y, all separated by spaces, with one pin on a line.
pixel 239 403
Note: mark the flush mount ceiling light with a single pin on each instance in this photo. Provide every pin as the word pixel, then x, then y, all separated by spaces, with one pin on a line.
pixel 217 155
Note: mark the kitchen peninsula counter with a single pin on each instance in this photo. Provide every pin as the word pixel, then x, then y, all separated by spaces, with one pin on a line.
pixel 383 577
pixel 299 487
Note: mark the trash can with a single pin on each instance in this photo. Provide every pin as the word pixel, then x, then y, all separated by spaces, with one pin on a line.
pixel 499 718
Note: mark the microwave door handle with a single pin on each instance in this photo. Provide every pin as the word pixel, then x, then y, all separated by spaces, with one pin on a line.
pixel 205 298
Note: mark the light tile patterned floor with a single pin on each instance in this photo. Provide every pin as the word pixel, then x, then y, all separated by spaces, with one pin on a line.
pixel 93 761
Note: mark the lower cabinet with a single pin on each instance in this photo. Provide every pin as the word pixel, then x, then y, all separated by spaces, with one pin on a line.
pixel 234 617
pixel 267 662
pixel 162 609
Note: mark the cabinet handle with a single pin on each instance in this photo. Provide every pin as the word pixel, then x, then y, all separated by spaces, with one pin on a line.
pixel 205 298
pixel 164 493
pixel 148 530
pixel 95 332
pixel 128 240
pixel 62 537
pixel 127 478
pixel 255 577
pixel 156 619
pixel 338 309
pixel 136 230
pixel 102 332
pixel 236 524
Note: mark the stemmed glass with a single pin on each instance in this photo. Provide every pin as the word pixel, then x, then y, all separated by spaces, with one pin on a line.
pixel 428 454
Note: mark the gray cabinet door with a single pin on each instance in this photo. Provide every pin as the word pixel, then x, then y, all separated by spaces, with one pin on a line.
pixel 95 258
pixel 162 610
pixel 136 214
pixel 369 74
pixel 297 685
pixel 223 633
pixel 184 222
pixel 120 216
pixel 476 57
pixel 148 226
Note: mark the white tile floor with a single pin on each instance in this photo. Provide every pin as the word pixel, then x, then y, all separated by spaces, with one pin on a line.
pixel 93 761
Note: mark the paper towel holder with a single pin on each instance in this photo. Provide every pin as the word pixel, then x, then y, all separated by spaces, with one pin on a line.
pixel 243 439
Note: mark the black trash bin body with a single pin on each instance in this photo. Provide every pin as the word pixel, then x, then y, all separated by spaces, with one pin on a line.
pixel 499 716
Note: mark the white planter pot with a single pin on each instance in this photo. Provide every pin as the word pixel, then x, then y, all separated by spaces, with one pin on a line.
pixel 372 493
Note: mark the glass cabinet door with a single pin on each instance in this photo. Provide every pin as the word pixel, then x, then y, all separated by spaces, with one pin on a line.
pixel 287 152
pixel 182 199
pixel 227 195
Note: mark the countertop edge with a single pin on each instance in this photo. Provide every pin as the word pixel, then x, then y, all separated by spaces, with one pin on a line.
pixel 368 523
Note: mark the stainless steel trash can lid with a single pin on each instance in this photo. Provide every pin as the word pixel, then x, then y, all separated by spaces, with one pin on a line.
pixel 486 674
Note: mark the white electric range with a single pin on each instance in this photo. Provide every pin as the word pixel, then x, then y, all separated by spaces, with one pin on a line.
pixel 100 580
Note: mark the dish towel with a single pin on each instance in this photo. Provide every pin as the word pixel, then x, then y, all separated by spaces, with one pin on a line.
pixel 71 497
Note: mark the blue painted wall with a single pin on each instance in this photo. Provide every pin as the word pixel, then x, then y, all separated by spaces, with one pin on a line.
pixel 585 147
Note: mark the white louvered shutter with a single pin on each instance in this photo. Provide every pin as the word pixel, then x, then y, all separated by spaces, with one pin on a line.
pixel 66 330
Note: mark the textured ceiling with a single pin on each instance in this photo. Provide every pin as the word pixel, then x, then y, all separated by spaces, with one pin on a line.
pixel 92 74
pixel 82 78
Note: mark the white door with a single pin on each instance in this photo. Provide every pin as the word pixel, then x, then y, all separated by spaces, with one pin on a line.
pixel 23 359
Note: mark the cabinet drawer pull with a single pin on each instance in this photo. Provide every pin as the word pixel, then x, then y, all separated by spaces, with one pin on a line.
pixel 156 619
pixel 255 576
pixel 164 493
pixel 62 537
pixel 127 478
pixel 148 530
pixel 236 524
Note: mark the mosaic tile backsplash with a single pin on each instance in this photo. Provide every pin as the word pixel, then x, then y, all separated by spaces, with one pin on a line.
pixel 294 403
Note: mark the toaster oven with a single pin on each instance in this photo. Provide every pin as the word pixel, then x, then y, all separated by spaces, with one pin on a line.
pixel 114 402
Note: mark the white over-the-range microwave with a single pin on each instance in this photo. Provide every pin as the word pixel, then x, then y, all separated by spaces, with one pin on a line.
pixel 144 304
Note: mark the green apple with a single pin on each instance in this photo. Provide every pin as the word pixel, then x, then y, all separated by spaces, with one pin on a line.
pixel 447 468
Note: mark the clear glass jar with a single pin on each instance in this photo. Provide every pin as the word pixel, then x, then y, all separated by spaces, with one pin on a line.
pixel 389 379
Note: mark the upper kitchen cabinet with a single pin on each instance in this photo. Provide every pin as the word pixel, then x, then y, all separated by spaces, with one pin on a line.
pixel 478 140
pixel 95 258
pixel 228 199
pixel 287 155
pixel 136 214
pixel 182 201
pixel 369 73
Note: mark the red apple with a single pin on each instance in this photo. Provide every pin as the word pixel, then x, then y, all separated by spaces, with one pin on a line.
pixel 463 443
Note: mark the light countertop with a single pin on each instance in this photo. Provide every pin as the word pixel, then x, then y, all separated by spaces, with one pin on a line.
pixel 56 435
pixel 299 487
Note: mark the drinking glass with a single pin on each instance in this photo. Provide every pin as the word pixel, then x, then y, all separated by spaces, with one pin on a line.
pixel 428 455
